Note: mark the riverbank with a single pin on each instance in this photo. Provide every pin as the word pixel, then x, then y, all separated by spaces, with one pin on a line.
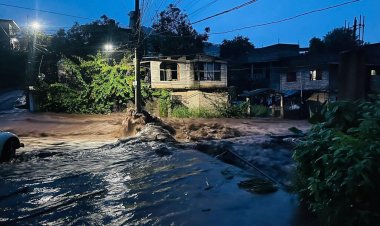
pixel 39 129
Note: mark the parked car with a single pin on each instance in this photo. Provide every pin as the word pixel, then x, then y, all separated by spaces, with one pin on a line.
pixel 9 142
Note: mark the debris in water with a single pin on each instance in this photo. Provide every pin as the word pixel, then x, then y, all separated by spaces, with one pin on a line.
pixel 258 185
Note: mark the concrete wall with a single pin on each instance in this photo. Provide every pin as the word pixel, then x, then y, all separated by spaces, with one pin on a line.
pixel 353 80
pixel 186 79
pixel 200 99
pixel 303 80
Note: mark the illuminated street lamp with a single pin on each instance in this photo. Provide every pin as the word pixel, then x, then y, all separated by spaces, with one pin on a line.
pixel 108 47
pixel 35 26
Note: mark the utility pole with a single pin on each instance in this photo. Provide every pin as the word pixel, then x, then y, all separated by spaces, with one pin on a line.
pixel 137 82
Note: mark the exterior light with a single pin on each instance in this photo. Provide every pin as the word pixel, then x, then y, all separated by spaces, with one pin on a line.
pixel 35 25
pixel 108 47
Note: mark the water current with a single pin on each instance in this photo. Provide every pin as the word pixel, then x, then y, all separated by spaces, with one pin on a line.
pixel 134 183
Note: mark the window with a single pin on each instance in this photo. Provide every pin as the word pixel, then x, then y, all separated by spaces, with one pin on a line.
pixel 291 76
pixel 373 72
pixel 207 72
pixel 168 71
pixel 315 75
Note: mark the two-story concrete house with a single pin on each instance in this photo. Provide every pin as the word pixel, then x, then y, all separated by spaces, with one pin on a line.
pixel 8 32
pixel 197 81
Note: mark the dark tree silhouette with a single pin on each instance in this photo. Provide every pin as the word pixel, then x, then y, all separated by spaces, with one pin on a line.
pixel 316 45
pixel 236 47
pixel 174 35
pixel 340 39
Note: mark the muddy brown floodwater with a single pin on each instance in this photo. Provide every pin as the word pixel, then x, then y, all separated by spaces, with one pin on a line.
pixel 74 171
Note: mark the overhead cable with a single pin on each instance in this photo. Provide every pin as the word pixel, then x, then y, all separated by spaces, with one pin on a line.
pixel 226 11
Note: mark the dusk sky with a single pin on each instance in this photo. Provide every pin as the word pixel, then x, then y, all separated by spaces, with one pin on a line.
pixel 299 30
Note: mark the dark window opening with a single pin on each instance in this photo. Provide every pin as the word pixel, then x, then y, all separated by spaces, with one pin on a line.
pixel 168 71
pixel 291 77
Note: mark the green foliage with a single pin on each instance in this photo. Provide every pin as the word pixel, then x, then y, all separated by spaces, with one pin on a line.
pixel 91 86
pixel 83 40
pixel 316 45
pixel 260 111
pixel 339 162
pixel 177 36
pixel 337 40
pixel 239 46
pixel 164 102
pixel 181 111
pixel 233 110
pixel 220 110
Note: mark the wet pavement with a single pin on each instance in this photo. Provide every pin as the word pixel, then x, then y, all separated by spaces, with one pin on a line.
pixel 134 183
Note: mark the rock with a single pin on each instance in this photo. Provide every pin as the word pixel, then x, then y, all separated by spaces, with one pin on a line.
pixel 258 185
pixel 154 132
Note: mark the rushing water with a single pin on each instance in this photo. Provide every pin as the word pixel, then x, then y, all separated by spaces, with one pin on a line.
pixel 133 183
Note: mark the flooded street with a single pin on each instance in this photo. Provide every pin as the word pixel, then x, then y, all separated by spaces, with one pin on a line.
pixel 133 183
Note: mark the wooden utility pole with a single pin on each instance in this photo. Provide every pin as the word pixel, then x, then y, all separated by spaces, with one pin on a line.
pixel 137 82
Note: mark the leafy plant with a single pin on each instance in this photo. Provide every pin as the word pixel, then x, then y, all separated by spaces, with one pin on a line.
pixel 164 102
pixel 96 85
pixel 260 111
pixel 339 162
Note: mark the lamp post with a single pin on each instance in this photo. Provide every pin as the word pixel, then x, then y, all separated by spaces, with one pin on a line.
pixel 34 27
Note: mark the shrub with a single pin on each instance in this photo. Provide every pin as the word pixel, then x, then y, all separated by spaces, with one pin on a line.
pixel 95 85
pixel 231 110
pixel 260 111
pixel 184 112
pixel 339 164
pixel 181 112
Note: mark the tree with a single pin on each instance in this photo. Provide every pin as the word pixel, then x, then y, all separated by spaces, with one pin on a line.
pixel 340 39
pixel 174 35
pixel 88 39
pixel 92 85
pixel 236 47
pixel 316 45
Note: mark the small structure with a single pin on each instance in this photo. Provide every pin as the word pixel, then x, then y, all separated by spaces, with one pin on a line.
pixel 197 81
pixel 8 32
pixel 266 97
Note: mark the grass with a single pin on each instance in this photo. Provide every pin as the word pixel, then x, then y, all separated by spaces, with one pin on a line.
pixel 184 112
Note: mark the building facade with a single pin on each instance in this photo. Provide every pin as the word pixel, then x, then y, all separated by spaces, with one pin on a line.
pixel 8 33
pixel 197 81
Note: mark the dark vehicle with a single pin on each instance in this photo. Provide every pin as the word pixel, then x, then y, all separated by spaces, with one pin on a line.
pixel 9 142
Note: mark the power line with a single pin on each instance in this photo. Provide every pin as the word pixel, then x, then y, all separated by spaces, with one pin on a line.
pixel 226 11
pixel 286 19
pixel 47 11
pixel 203 7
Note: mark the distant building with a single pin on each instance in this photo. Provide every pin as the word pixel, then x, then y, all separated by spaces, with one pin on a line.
pixel 196 81
pixel 261 68
pixel 8 32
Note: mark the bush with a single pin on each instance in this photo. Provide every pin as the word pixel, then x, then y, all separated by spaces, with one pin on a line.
pixel 260 111
pixel 339 164
pixel 181 112
pixel 185 112
pixel 231 110
pixel 91 86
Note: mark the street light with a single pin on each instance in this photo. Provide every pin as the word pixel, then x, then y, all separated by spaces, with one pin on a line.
pixel 108 47
pixel 36 26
